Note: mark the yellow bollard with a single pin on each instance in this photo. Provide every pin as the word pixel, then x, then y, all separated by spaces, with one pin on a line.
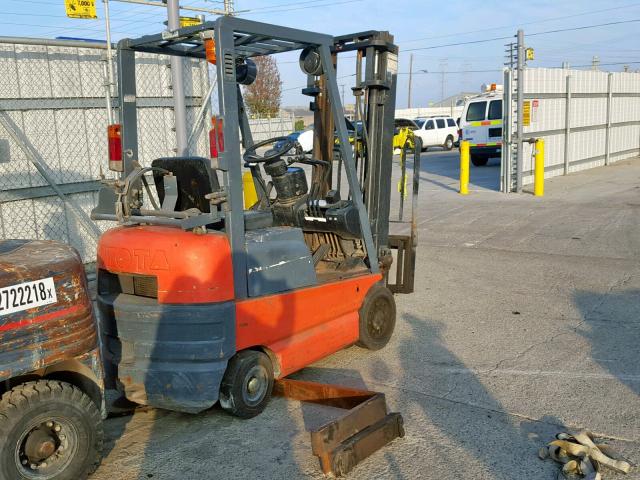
pixel 538 172
pixel 464 167
pixel 250 194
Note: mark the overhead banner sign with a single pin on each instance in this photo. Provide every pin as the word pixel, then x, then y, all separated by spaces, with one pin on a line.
pixel 81 8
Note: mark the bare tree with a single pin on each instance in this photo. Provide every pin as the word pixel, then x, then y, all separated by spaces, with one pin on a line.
pixel 263 96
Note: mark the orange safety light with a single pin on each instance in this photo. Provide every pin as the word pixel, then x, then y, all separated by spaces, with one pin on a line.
pixel 216 138
pixel 115 148
pixel 494 87
pixel 210 50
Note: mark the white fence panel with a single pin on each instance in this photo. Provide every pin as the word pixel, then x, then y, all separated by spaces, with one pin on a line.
pixel 596 99
pixel 264 128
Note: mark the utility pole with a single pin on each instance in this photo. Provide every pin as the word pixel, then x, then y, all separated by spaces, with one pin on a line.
pixel 110 81
pixel 595 63
pixel 177 70
pixel 510 55
pixel 228 7
pixel 520 106
pixel 443 68
pixel 410 76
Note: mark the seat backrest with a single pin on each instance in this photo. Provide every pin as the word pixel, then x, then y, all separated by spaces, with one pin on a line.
pixel 195 179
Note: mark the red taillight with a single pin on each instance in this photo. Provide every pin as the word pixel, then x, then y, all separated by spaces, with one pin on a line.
pixel 216 138
pixel 115 148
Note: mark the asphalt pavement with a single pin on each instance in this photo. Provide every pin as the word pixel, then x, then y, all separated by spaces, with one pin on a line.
pixel 525 322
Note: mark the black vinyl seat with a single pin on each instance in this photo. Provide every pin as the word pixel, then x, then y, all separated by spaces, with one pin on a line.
pixel 195 179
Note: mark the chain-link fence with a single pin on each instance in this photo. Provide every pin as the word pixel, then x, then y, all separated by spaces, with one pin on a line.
pixel 53 125
pixel 53 120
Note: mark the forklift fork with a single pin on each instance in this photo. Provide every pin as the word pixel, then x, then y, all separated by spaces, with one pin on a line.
pixel 404 244
pixel 364 428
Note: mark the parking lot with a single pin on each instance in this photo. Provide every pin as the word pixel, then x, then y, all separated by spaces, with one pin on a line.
pixel 524 323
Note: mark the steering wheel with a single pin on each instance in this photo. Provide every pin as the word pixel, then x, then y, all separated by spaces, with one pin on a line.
pixel 251 156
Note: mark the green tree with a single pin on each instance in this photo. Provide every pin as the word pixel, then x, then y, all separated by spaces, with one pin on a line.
pixel 263 96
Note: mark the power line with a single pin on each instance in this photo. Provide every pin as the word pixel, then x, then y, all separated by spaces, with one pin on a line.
pixel 65 17
pixel 301 8
pixel 446 72
pixel 458 43
pixel 525 23
pixel 584 27
pixel 304 86
pixel 606 64
pixel 159 14
pixel 529 35
pixel 283 5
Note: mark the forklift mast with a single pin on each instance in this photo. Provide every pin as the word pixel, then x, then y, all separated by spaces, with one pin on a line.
pixel 375 105
pixel 374 112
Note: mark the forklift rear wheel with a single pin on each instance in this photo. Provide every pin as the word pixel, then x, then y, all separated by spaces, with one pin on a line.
pixel 49 430
pixel 377 318
pixel 247 384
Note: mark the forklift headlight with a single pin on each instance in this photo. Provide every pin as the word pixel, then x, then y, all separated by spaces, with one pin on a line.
pixel 246 72
pixel 310 62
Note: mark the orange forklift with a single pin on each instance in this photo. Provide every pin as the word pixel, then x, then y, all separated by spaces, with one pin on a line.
pixel 202 300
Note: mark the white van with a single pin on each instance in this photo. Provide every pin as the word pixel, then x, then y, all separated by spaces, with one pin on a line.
pixel 481 125
pixel 437 132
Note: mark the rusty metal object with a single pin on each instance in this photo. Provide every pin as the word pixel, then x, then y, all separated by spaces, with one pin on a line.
pixel 37 337
pixel 344 442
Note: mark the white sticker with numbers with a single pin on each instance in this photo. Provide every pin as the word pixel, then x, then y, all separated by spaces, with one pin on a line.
pixel 24 296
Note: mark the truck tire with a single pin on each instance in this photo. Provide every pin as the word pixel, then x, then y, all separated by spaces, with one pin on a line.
pixel 247 384
pixel 448 143
pixel 377 318
pixel 49 430
pixel 479 161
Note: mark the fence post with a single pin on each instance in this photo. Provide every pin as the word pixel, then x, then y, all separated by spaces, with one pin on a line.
pixel 507 121
pixel 607 144
pixel 464 167
pixel 567 126
pixel 520 99
pixel 538 172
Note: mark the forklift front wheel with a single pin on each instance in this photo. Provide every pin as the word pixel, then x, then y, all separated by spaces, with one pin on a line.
pixel 247 384
pixel 48 430
pixel 377 318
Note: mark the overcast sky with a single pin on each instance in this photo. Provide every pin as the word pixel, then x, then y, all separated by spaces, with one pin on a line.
pixel 415 24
